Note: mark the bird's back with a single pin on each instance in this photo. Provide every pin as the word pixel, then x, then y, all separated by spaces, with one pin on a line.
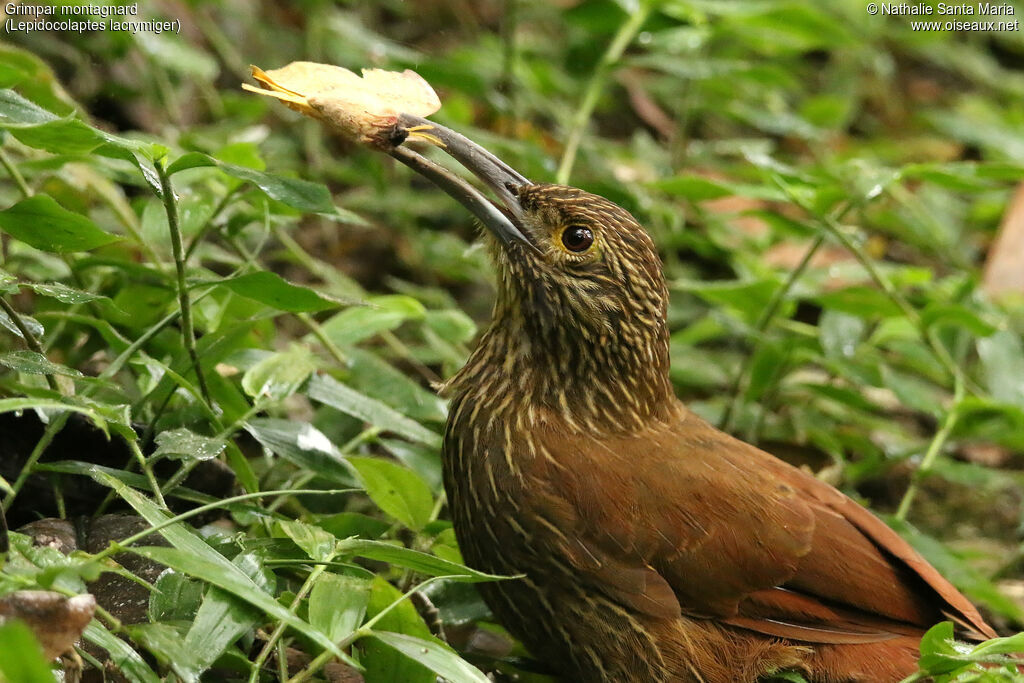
pixel 678 552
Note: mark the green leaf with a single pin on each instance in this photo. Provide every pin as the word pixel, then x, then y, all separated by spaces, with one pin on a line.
pixel 379 314
pixel 41 129
pixel 190 160
pixel 33 363
pixel 33 325
pixel 166 643
pixel 382 662
pixel 396 490
pixel 337 604
pixel 128 662
pixel 300 194
pixel 859 301
pixel 279 375
pixel 1001 646
pixel 193 556
pixel 15 109
pixel 304 445
pixel 221 620
pixel 184 444
pixel 63 293
pixel 329 391
pixel 748 297
pixel 176 597
pixel 99 418
pixel 371 374
pixel 1002 357
pixel 44 224
pixel 840 334
pixel 436 657
pixel 314 541
pixel 21 656
pixel 938 654
pixel 412 559
pixel 274 291
pixel 453 326
pixel 956 315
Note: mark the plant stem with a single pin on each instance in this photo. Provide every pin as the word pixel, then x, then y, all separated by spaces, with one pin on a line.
pixel 116 547
pixel 147 470
pixel 622 39
pixel 16 176
pixel 187 331
pixel 30 341
pixel 268 647
pixel 766 319
pixel 934 448
pixel 940 351
pixel 51 431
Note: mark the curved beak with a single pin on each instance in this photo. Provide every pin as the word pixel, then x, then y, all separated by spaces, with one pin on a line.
pixel 502 218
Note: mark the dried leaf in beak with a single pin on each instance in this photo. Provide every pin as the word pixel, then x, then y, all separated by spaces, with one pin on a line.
pixel 364 109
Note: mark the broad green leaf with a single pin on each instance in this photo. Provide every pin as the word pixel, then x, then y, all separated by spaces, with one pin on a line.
pixel 859 301
pixel 15 109
pixel 193 556
pixel 396 490
pixel 380 313
pixel 337 604
pixel 63 293
pixel 10 405
pixel 30 323
pixel 21 656
pixel 1000 646
pixel 748 297
pixel 221 620
pixel 956 315
pixel 315 542
pixel 39 128
pixel 274 291
pixel 304 445
pixel 184 444
pixel 938 653
pixel 329 391
pixel 1002 357
pixel 190 160
pixel 299 194
pixel 840 333
pixel 45 224
pixel 178 56
pixel 441 660
pixel 176 597
pixel 382 662
pixel 412 559
pixel 766 368
pixel 128 662
pixel 346 524
pixel 33 363
pixel 371 374
pixel 167 644
pixel 279 375
pixel 453 326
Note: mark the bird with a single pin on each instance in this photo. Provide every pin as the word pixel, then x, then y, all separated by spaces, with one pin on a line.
pixel 648 545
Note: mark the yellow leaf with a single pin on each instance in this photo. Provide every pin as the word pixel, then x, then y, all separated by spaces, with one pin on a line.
pixel 364 109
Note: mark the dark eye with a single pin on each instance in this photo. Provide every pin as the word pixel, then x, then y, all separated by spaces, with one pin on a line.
pixel 576 238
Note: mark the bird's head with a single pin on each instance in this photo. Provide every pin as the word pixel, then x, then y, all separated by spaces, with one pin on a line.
pixel 582 297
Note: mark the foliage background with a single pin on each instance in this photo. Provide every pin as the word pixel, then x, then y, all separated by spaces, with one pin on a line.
pixel 824 185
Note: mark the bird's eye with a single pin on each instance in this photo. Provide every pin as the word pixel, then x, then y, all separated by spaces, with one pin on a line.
pixel 577 239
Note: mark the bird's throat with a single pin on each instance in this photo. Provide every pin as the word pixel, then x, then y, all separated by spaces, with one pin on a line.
pixel 616 382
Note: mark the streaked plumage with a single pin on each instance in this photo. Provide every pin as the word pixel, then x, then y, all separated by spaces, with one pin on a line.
pixel 655 547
